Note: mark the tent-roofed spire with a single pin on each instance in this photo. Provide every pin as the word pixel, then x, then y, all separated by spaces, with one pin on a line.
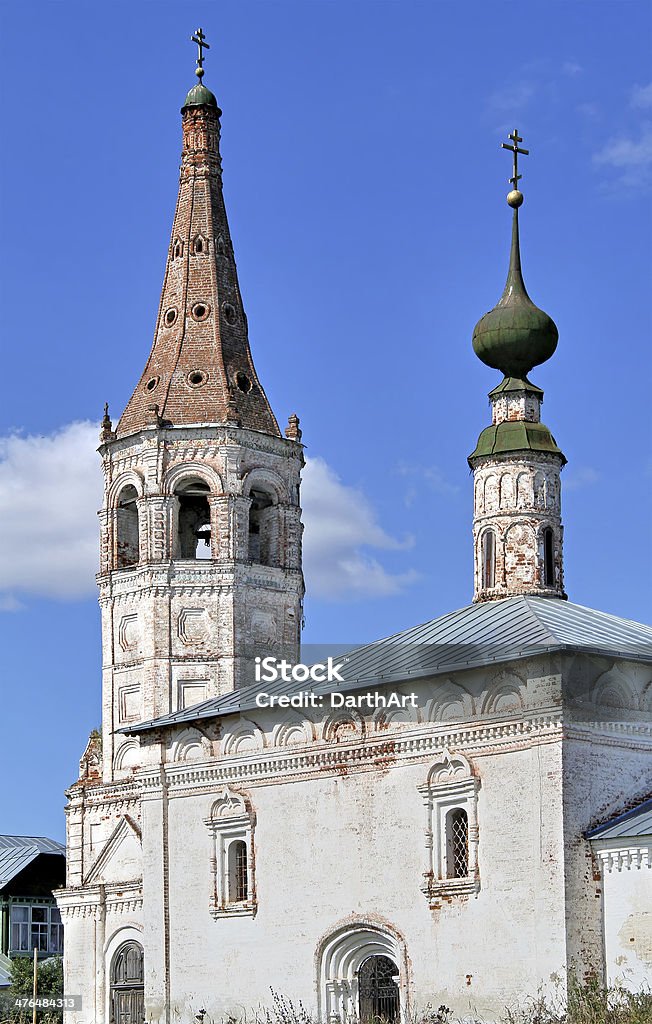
pixel 200 368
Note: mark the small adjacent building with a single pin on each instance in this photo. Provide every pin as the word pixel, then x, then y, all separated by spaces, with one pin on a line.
pixel 31 867
pixel 623 848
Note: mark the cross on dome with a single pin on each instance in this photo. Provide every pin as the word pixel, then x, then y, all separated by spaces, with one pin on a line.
pixel 514 148
pixel 202 45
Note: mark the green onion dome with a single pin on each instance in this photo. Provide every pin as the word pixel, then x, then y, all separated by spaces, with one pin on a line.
pixel 515 335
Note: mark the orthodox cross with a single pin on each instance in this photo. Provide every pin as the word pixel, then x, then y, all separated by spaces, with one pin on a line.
pixel 516 138
pixel 202 45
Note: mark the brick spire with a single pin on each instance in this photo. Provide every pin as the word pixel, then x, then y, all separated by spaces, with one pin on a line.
pixel 200 368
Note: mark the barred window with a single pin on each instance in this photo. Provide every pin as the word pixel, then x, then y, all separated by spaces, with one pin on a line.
pixel 457 843
pixel 231 825
pixel 238 888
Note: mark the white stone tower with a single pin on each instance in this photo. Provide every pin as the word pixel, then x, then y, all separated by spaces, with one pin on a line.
pixel 517 530
pixel 200 527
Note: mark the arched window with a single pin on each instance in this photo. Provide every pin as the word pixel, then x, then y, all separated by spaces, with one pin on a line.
pixel 238 883
pixel 457 843
pixel 231 827
pixel 193 520
pixel 548 558
pixel 539 490
pixel 198 246
pixel 127 540
pixel 127 1000
pixel 378 991
pixel 263 529
pixel 488 559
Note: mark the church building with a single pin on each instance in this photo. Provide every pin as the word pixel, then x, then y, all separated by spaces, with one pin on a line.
pixel 457 820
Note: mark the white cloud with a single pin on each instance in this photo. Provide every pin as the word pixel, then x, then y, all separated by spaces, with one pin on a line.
pixel 642 96
pixel 511 99
pixel 51 488
pixel 631 156
pixel 582 476
pixel 429 477
pixel 627 151
pixel 341 527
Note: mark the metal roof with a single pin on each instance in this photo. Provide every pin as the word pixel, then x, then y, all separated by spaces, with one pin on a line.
pixel 637 822
pixel 16 852
pixel 474 636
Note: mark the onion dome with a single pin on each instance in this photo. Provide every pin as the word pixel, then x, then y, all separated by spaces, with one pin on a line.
pixel 515 335
pixel 200 96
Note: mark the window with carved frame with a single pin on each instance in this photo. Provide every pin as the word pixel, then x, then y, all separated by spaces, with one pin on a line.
pixel 231 827
pixel 450 799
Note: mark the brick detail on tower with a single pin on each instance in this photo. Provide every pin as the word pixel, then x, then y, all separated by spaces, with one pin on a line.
pixel 517 530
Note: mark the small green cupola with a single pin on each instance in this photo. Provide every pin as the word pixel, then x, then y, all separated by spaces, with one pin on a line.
pixel 200 96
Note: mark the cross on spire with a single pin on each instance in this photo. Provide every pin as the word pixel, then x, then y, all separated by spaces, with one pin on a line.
pixel 202 45
pixel 514 148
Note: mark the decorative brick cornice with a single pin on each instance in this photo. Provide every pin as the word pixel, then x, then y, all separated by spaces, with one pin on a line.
pixel 92 901
pixel 272 766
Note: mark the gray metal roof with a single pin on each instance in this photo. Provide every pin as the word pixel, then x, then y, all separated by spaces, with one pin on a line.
pixel 16 852
pixel 637 822
pixel 474 636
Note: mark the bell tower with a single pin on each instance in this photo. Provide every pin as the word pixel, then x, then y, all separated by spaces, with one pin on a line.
pixel 517 529
pixel 200 560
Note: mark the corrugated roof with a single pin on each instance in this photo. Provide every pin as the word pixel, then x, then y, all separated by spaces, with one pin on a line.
pixel 637 822
pixel 16 852
pixel 477 635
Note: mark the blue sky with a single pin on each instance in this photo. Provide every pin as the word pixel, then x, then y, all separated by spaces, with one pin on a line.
pixel 365 188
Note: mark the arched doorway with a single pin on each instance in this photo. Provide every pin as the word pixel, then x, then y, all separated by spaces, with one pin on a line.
pixel 127 1004
pixel 362 974
pixel 378 992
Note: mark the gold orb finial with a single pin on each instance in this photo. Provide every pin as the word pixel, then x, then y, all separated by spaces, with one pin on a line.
pixel 515 199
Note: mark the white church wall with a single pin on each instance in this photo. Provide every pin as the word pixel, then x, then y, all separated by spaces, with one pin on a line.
pixel 352 851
